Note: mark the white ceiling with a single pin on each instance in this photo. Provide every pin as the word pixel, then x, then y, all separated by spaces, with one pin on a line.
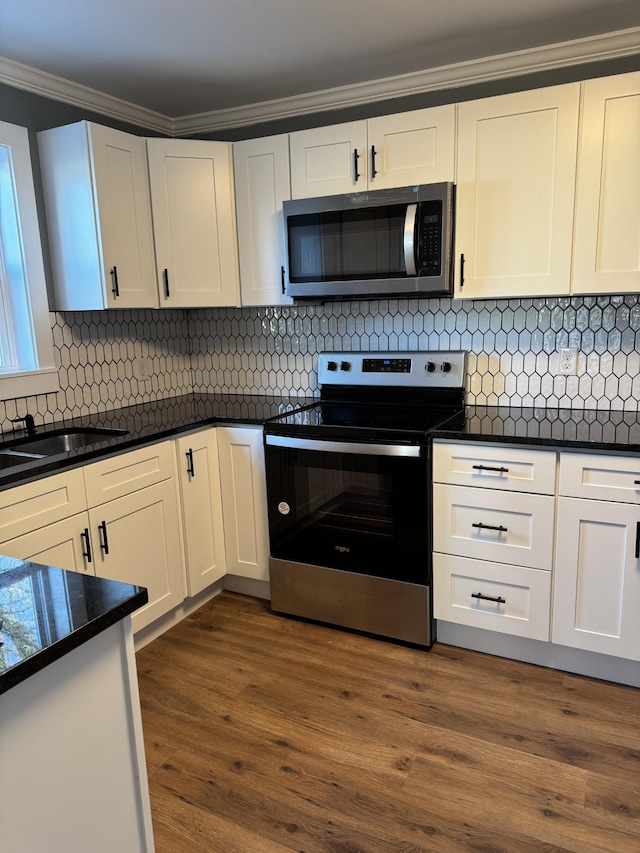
pixel 183 57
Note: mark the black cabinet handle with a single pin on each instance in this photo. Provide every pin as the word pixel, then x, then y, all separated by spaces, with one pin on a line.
pixel 165 278
pixel 356 173
pixel 482 526
pixel 282 280
pixel 496 598
pixel 374 171
pixel 86 548
pixel 636 482
pixel 489 468
pixel 638 540
pixel 114 282
pixel 461 271
pixel 190 469
pixel 102 535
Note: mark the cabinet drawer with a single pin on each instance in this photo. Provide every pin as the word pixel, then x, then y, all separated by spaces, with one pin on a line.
pixel 34 505
pixel 492 466
pixel 503 527
pixel 605 478
pixel 524 604
pixel 120 475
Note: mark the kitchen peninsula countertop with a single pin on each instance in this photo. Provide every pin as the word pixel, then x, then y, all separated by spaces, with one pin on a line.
pixel 588 429
pixel 48 612
pixel 147 422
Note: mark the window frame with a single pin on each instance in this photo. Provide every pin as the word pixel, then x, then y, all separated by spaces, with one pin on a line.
pixel 27 381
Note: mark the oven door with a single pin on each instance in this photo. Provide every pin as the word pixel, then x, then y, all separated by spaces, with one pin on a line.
pixel 356 507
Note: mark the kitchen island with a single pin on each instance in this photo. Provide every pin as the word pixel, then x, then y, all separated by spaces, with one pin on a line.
pixel 72 773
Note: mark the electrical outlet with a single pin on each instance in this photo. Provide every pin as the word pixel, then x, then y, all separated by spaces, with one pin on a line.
pixel 567 361
pixel 142 368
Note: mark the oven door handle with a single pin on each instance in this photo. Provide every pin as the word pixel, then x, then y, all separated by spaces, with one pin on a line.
pixel 325 446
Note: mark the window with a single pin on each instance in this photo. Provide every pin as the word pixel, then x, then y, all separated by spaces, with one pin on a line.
pixel 27 365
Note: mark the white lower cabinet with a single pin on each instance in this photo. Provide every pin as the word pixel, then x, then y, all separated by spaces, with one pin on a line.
pixel 508 599
pixel 201 503
pixel 244 501
pixel 597 572
pixel 493 538
pixel 65 544
pixel 136 540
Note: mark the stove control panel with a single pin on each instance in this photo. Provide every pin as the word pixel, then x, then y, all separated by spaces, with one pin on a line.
pixel 442 369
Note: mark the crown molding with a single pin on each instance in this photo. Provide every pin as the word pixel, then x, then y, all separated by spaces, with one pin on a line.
pixel 564 54
pixel 49 86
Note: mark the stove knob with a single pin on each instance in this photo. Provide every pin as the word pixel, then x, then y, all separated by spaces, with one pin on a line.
pixel 345 365
pixel 332 365
pixel 431 367
pixel 445 367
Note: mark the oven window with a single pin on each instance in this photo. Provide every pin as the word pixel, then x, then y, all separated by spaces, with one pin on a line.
pixel 366 514
pixel 347 245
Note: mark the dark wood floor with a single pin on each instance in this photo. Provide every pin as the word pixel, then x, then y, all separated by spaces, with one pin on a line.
pixel 267 735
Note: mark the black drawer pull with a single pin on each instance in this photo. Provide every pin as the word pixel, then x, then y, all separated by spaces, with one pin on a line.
pixel 636 482
pixel 496 598
pixel 86 548
pixel 190 469
pixel 489 468
pixel 114 282
pixel 482 526
pixel 638 540
pixel 102 535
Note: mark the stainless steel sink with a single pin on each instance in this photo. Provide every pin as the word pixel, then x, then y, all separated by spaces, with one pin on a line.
pixel 60 441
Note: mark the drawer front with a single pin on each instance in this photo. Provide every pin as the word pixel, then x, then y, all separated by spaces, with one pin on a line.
pixel 34 505
pixel 463 589
pixel 503 527
pixel 492 466
pixel 599 477
pixel 120 475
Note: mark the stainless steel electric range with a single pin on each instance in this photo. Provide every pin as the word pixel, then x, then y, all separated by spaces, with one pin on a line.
pixel 349 492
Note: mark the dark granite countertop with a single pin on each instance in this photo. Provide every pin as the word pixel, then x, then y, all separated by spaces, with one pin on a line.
pixel 48 612
pixel 590 429
pixel 149 422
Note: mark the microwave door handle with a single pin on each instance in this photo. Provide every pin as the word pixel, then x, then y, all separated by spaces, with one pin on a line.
pixel 409 239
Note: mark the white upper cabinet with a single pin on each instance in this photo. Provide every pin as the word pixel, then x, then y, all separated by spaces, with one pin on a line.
pixel 261 169
pixel 98 216
pixel 607 235
pixel 193 222
pixel 516 172
pixel 390 151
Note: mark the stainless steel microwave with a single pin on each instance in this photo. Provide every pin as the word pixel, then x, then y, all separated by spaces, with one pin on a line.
pixel 371 244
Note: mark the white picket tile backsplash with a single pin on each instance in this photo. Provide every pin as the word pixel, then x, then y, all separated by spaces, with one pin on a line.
pixel 512 346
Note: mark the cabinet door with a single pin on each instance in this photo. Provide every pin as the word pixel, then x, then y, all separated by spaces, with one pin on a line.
pixel 137 540
pixel 65 545
pixel 122 194
pixel 329 160
pixel 98 209
pixel 515 191
pixel 607 237
pixel 597 577
pixel 199 477
pixel 193 222
pixel 244 497
pixel 261 169
pixel 412 148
